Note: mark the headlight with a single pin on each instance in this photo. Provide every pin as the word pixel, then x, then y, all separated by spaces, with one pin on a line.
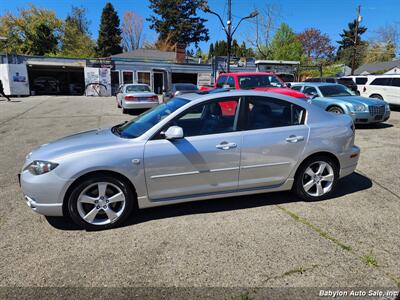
pixel 360 107
pixel 39 167
pixel 387 106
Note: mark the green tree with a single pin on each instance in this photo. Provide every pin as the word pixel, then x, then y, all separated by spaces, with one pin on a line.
pixel 76 41
pixel 109 40
pixel 211 51
pixel 35 31
pixel 177 20
pixel 285 44
pixel 351 39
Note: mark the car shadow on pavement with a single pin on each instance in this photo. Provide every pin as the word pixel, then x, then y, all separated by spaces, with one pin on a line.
pixel 351 184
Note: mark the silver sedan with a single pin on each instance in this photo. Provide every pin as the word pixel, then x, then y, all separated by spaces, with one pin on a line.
pixel 193 147
pixel 135 96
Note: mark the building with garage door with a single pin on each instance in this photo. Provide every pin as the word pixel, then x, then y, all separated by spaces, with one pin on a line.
pixel 41 75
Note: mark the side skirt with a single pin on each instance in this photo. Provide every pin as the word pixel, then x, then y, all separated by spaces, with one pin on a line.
pixel 145 202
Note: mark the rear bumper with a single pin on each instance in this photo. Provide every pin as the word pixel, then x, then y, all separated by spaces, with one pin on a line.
pixel 138 104
pixel 348 161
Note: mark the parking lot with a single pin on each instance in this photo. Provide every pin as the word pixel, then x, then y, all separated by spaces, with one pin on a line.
pixel 270 240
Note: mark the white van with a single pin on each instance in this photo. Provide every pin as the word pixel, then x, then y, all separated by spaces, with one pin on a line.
pixel 360 81
pixel 385 87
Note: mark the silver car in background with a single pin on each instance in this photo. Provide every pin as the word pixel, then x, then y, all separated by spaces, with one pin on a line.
pixel 193 147
pixel 135 96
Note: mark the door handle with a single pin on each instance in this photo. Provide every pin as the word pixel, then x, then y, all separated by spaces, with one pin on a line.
pixel 226 146
pixel 294 139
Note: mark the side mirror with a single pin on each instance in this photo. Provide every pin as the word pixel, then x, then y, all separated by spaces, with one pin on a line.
pixel 288 84
pixel 174 132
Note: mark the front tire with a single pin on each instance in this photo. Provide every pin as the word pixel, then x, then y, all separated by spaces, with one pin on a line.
pixel 316 178
pixel 335 110
pixel 101 202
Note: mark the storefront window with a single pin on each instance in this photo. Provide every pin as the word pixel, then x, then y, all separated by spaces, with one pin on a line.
pixel 144 77
pixel 127 77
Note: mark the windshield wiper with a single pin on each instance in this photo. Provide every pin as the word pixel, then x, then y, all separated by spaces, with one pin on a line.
pixel 117 128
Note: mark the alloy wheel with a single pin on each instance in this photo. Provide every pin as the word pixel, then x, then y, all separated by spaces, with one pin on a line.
pixel 101 203
pixel 318 178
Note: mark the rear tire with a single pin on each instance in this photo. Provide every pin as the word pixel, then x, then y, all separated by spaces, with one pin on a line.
pixel 125 111
pixel 101 202
pixel 335 110
pixel 316 178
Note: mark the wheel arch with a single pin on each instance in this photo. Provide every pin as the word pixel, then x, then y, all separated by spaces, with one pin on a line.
pixel 89 175
pixel 343 107
pixel 375 94
pixel 319 153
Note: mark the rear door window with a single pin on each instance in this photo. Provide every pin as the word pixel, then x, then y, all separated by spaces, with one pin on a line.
pixel 381 81
pixel 265 112
pixel 396 82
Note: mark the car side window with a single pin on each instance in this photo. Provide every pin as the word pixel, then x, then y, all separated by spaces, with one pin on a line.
pixel 212 117
pixel 221 81
pixel 361 80
pixel 396 82
pixel 296 87
pixel 263 112
pixel 231 82
pixel 381 81
pixel 309 90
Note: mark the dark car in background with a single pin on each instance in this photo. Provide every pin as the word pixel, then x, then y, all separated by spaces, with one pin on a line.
pixel 179 89
pixel 347 82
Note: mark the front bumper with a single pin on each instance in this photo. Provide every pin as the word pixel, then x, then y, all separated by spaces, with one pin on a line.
pixel 44 193
pixel 367 118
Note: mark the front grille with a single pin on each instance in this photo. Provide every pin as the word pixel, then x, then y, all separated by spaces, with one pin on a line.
pixel 376 110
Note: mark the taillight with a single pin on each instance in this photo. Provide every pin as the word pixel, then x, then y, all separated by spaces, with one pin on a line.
pixel 154 98
pixel 130 98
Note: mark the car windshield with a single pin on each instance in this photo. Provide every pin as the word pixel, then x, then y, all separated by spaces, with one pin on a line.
pixel 259 81
pixel 335 91
pixel 185 87
pixel 148 119
pixel 137 88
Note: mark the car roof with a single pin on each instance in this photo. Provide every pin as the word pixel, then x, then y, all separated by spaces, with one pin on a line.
pixel 126 84
pixel 246 73
pixel 226 93
pixel 317 84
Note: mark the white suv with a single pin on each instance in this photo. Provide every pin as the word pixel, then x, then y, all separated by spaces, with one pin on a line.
pixel 383 87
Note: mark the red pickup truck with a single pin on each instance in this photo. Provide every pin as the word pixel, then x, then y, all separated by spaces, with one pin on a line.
pixel 259 81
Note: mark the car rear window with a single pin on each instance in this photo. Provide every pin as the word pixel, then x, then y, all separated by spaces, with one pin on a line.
pixel 381 81
pixel 137 88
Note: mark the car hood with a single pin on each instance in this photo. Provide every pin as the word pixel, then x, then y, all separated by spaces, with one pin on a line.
pixel 283 91
pixel 92 140
pixel 359 100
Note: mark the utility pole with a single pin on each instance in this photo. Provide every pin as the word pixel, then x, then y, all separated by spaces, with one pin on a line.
pixel 228 29
pixel 353 60
pixel 229 35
